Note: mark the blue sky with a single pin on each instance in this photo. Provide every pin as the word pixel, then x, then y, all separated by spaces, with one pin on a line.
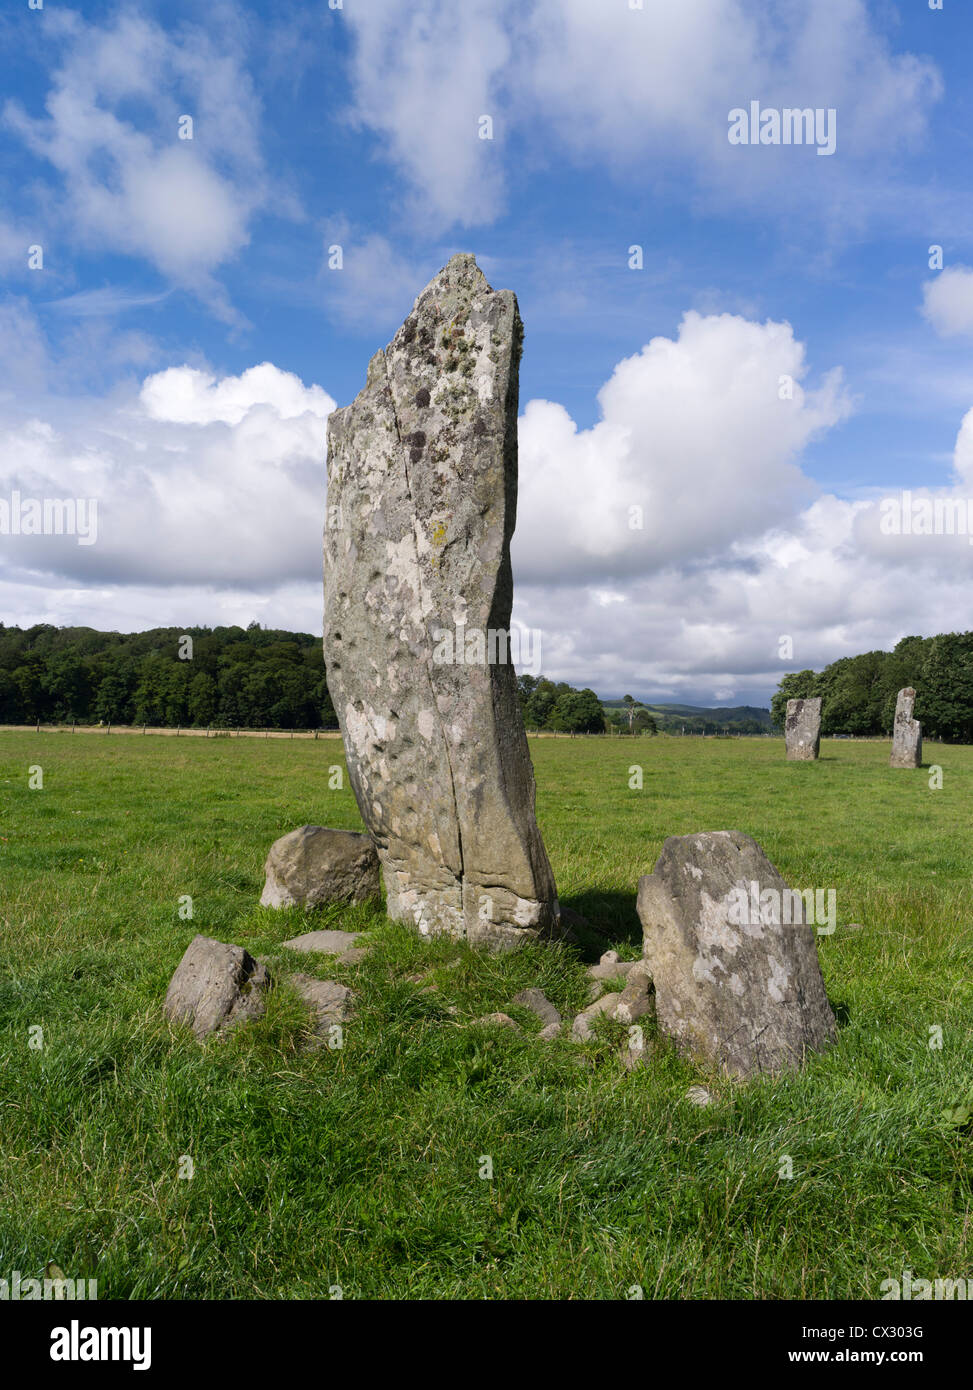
pixel 173 268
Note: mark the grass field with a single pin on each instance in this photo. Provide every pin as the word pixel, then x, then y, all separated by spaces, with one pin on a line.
pixel 360 1167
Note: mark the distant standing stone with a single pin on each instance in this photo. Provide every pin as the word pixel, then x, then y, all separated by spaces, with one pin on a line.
pixel 313 865
pixel 906 732
pixel 422 490
pixel 735 988
pixel 215 986
pixel 802 730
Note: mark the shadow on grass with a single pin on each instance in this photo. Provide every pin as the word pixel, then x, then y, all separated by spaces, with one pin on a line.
pixel 610 918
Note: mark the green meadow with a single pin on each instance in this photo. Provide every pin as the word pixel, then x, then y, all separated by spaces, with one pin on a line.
pixel 358 1171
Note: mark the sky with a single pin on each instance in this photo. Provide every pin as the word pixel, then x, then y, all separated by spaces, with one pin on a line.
pixel 746 365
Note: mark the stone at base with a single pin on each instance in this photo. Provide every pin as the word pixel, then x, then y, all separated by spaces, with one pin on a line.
pixel 215 987
pixel 737 980
pixel 314 864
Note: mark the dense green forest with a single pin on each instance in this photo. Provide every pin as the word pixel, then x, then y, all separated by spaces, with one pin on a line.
pixel 228 677
pixel 858 692
pixel 224 677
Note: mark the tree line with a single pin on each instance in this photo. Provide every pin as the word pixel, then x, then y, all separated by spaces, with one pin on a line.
pixel 858 692
pixel 223 677
pixel 200 677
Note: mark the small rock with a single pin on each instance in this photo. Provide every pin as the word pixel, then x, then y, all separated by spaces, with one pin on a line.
pixel 498 1021
pixel 636 998
pixel 331 1003
pixel 551 1031
pixel 610 969
pixel 216 986
pixel 698 1095
pixel 328 943
pixel 581 1029
pixel 539 1004
pixel 315 864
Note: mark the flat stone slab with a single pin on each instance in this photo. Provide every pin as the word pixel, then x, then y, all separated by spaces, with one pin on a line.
pixel 216 986
pixel 315 864
pixel 737 987
pixel 422 485
pixel 328 943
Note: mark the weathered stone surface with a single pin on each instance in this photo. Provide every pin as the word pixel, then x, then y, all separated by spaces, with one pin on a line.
pixel 314 864
pixel 216 986
pixel 906 732
pixel 422 486
pixel 539 1004
pixel 331 1003
pixel 802 730
pixel 328 943
pixel 550 1031
pixel 740 994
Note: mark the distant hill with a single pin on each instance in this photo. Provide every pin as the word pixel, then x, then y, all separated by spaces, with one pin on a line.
pixel 698 719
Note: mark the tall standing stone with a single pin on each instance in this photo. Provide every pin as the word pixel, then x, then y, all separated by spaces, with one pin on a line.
pixel 422 493
pixel 802 730
pixel 906 732
pixel 734 963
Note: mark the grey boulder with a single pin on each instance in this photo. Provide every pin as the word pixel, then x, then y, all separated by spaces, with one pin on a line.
pixel 313 865
pixel 215 987
pixel 737 981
